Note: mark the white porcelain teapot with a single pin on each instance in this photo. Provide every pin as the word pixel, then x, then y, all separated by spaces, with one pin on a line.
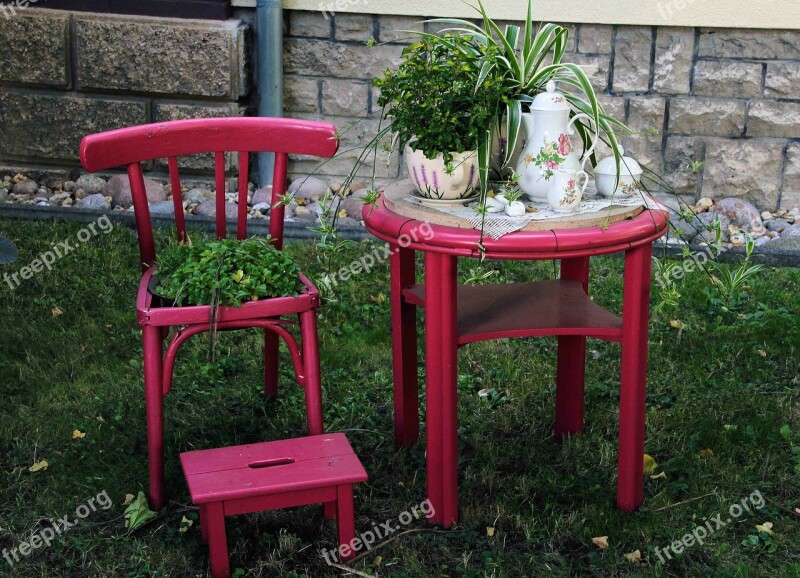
pixel 548 146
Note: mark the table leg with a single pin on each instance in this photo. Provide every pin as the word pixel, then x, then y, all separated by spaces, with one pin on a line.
pixel 433 378
pixel 404 350
pixel 571 369
pixel 635 321
pixel 441 357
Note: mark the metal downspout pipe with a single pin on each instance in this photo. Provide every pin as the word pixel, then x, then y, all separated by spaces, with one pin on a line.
pixel 269 74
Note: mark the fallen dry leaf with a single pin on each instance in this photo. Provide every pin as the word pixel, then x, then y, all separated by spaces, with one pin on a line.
pixel 56 312
pixel 765 527
pixel 378 560
pixel 601 542
pixel 129 498
pixel 677 324
pixel 708 453
pixel 186 523
pixel 659 476
pixel 38 466
pixel 490 531
pixel 634 557
pixel 78 434
pixel 762 353
pixel 650 464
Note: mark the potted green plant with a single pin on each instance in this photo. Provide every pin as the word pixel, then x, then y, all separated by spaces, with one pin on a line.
pixel 526 60
pixel 437 110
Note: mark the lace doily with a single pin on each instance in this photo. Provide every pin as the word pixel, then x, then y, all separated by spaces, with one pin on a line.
pixel 496 225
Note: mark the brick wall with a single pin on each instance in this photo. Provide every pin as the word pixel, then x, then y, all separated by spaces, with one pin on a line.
pixel 724 98
pixel 67 74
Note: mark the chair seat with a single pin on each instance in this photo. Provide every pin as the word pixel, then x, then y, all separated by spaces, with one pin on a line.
pixel 149 313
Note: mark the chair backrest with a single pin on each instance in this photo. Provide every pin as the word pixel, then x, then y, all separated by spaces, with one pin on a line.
pixel 129 147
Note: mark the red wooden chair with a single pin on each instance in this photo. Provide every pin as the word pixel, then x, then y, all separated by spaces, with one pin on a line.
pixel 132 146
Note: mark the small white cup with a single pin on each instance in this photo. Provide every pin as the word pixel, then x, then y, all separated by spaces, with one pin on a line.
pixel 566 190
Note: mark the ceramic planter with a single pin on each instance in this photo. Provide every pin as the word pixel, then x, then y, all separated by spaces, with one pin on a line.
pixel 433 181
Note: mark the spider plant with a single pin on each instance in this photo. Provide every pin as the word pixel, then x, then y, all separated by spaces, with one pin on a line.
pixel 526 60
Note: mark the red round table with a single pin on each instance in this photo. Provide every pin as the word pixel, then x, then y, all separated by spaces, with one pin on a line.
pixel 457 315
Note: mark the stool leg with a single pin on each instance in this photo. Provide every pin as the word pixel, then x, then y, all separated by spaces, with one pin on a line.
pixel 570 375
pixel 635 315
pixel 345 518
pixel 329 510
pixel 404 350
pixel 217 541
pixel 203 524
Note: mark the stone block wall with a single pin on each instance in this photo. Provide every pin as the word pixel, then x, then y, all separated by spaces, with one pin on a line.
pixel 67 74
pixel 715 111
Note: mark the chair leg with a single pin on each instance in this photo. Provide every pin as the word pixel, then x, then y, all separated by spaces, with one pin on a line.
pixel 635 316
pixel 404 350
pixel 154 405
pixel 271 359
pixel 346 518
pixel 313 381
pixel 217 541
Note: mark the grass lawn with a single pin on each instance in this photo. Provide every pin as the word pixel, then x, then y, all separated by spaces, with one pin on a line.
pixel 720 389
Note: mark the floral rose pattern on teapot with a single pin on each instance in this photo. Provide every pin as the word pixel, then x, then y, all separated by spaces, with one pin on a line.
pixel 551 156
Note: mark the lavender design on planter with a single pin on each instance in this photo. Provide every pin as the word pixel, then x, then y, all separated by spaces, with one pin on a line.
pixel 416 178
pixel 424 176
pixel 435 181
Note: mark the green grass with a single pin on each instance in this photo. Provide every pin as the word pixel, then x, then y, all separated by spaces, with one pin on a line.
pixel 727 382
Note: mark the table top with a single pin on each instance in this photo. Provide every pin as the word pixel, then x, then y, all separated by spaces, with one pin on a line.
pixel 397 198
pixel 420 228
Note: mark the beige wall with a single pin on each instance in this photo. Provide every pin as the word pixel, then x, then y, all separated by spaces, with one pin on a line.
pixel 780 14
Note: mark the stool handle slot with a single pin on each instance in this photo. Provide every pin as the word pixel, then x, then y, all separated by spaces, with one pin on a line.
pixel 271 463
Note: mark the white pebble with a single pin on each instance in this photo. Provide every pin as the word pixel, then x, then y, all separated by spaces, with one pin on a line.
pixel 515 209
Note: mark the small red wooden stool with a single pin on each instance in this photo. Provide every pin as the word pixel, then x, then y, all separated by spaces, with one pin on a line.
pixel 268 476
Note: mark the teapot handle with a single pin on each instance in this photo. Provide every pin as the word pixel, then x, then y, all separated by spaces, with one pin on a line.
pixel 571 131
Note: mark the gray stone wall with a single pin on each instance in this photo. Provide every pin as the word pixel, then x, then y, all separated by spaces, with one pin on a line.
pixel 64 75
pixel 717 112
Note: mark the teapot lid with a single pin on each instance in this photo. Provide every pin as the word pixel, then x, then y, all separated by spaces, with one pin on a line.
pixel 627 166
pixel 550 100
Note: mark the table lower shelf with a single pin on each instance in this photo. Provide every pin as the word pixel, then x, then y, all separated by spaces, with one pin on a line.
pixel 533 309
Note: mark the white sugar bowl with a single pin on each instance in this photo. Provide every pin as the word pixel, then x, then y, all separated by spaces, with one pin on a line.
pixel 630 175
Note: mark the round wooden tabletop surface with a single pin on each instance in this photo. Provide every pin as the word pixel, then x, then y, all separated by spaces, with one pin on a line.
pixel 398 199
